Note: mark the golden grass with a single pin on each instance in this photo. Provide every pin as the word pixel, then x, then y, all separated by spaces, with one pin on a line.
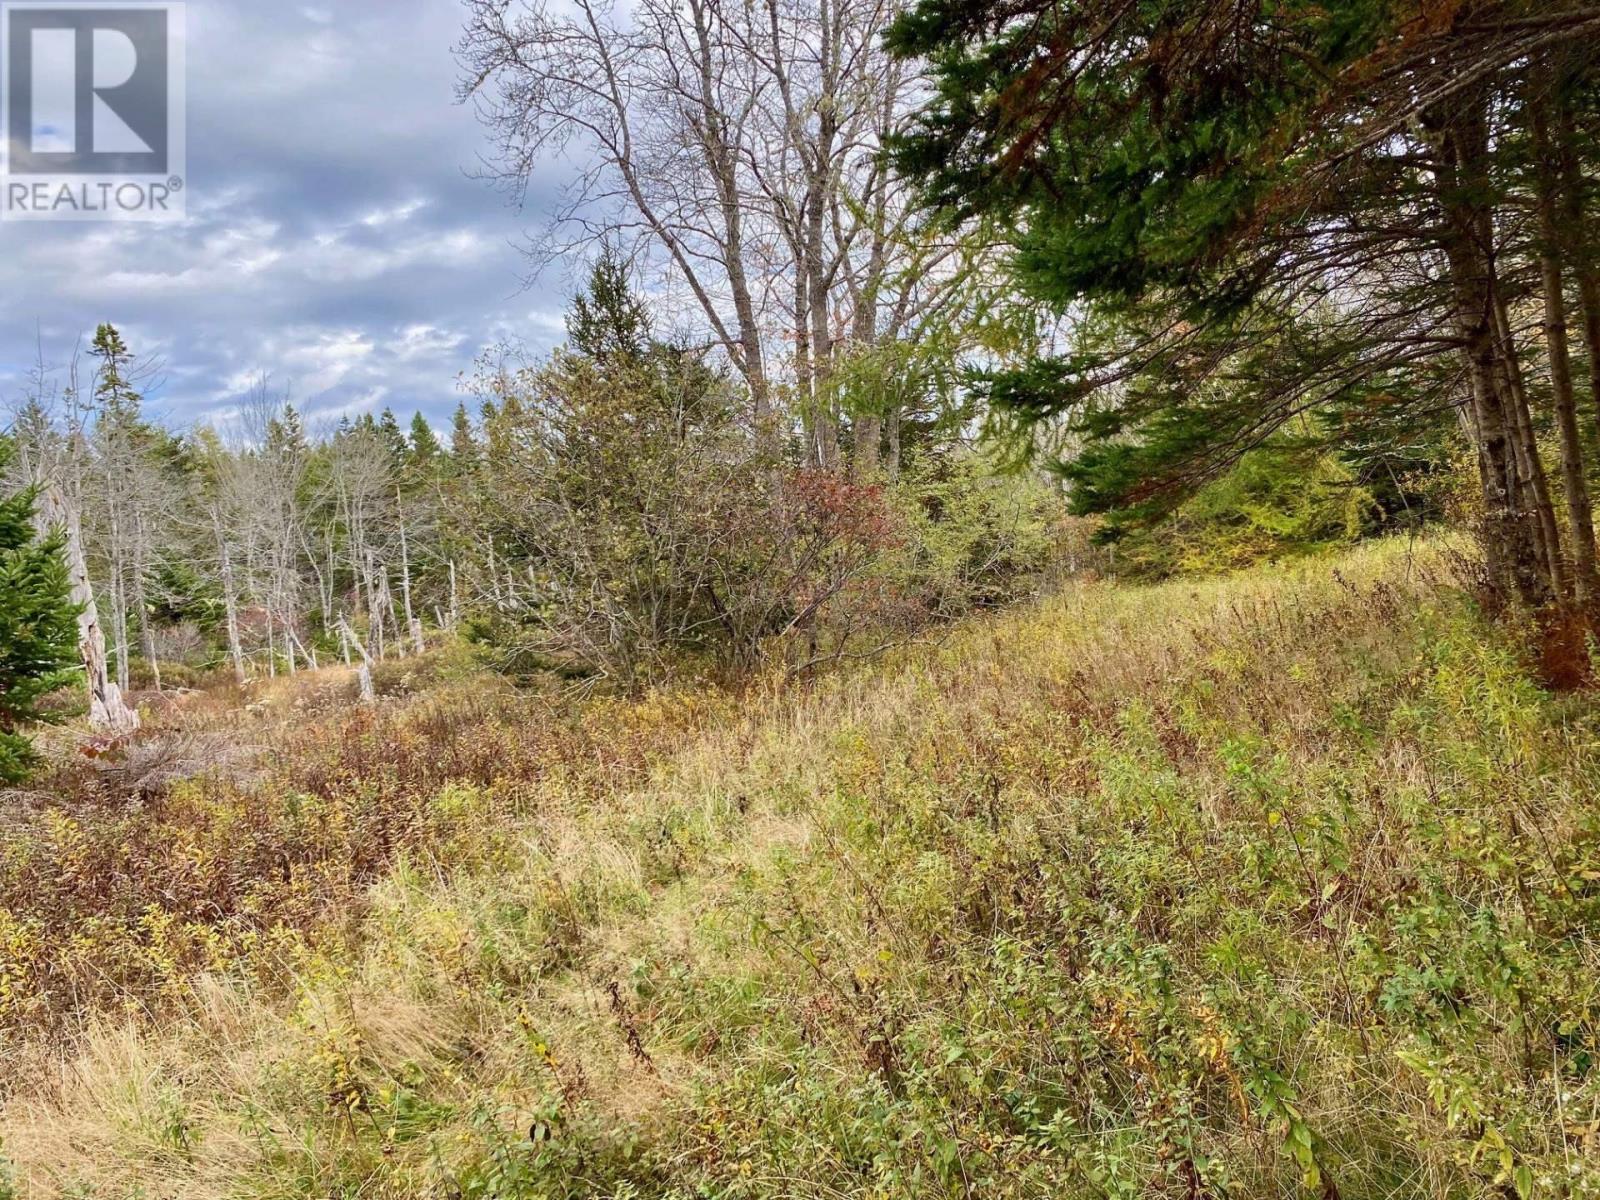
pixel 832 863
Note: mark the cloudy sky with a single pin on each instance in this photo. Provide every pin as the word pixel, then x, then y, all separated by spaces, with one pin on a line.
pixel 335 237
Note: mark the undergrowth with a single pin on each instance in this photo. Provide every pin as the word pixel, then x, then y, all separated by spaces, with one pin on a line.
pixel 1279 885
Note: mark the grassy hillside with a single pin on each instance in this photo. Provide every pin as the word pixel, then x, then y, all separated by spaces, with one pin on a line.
pixel 1285 884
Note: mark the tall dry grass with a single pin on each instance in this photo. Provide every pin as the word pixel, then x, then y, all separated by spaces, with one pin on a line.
pixel 1263 886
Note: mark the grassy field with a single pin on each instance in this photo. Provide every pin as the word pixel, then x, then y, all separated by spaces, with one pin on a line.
pixel 1286 884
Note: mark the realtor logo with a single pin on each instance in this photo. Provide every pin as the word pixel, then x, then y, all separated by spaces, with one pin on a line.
pixel 92 108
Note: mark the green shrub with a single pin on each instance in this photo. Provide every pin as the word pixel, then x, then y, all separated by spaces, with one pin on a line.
pixel 1278 502
pixel 974 537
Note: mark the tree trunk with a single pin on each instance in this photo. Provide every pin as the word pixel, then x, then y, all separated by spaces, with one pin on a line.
pixel 1581 247
pixel 823 407
pixel 107 711
pixel 1536 502
pixel 894 440
pixel 119 599
pixel 819 164
pixel 347 637
pixel 863 336
pixel 1580 511
pixel 721 162
pixel 141 598
pixel 230 598
pixel 805 382
pixel 413 626
pixel 147 633
pixel 868 451
pixel 373 599
pixel 1462 184
pixel 291 643
pixel 119 633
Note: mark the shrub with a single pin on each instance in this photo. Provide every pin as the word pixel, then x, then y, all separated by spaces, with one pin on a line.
pixel 646 530
pixel 976 538
pixel 1278 502
pixel 180 852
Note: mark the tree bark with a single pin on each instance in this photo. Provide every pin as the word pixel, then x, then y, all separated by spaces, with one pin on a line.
pixel 823 404
pixel 1535 495
pixel 230 597
pixel 863 336
pixel 1462 185
pixel 107 710
pixel 348 639
pixel 1552 245
pixel 119 599
pixel 413 626
pixel 1580 248
pixel 141 598
pixel 894 441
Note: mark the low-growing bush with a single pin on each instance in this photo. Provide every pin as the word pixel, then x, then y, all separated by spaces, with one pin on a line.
pixel 976 539
pixel 1278 502
pixel 180 852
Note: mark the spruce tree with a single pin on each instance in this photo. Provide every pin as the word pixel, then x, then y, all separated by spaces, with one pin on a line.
pixel 114 391
pixel 38 626
pixel 464 450
pixel 394 438
pixel 1250 210
pixel 607 319
pixel 425 447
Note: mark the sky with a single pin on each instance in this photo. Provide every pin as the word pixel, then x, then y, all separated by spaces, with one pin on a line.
pixel 336 239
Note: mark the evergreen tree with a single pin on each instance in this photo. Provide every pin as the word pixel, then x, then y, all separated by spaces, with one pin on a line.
pixel 38 625
pixel 607 318
pixel 286 435
pixel 425 447
pixel 114 391
pixel 1249 209
pixel 394 438
pixel 464 450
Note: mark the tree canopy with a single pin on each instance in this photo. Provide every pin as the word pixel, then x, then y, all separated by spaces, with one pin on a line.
pixel 1254 209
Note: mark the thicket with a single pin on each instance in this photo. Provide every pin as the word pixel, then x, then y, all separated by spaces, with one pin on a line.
pixel 1282 501
pixel 641 529
pixel 617 511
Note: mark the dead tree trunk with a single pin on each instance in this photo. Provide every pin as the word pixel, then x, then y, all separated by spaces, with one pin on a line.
pixel 348 638
pixel 230 596
pixel 413 625
pixel 107 710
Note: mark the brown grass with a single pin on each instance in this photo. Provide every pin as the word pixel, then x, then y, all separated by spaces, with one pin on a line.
pixel 1142 886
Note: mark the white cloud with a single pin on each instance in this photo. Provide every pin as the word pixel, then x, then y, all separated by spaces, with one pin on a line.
pixel 333 238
